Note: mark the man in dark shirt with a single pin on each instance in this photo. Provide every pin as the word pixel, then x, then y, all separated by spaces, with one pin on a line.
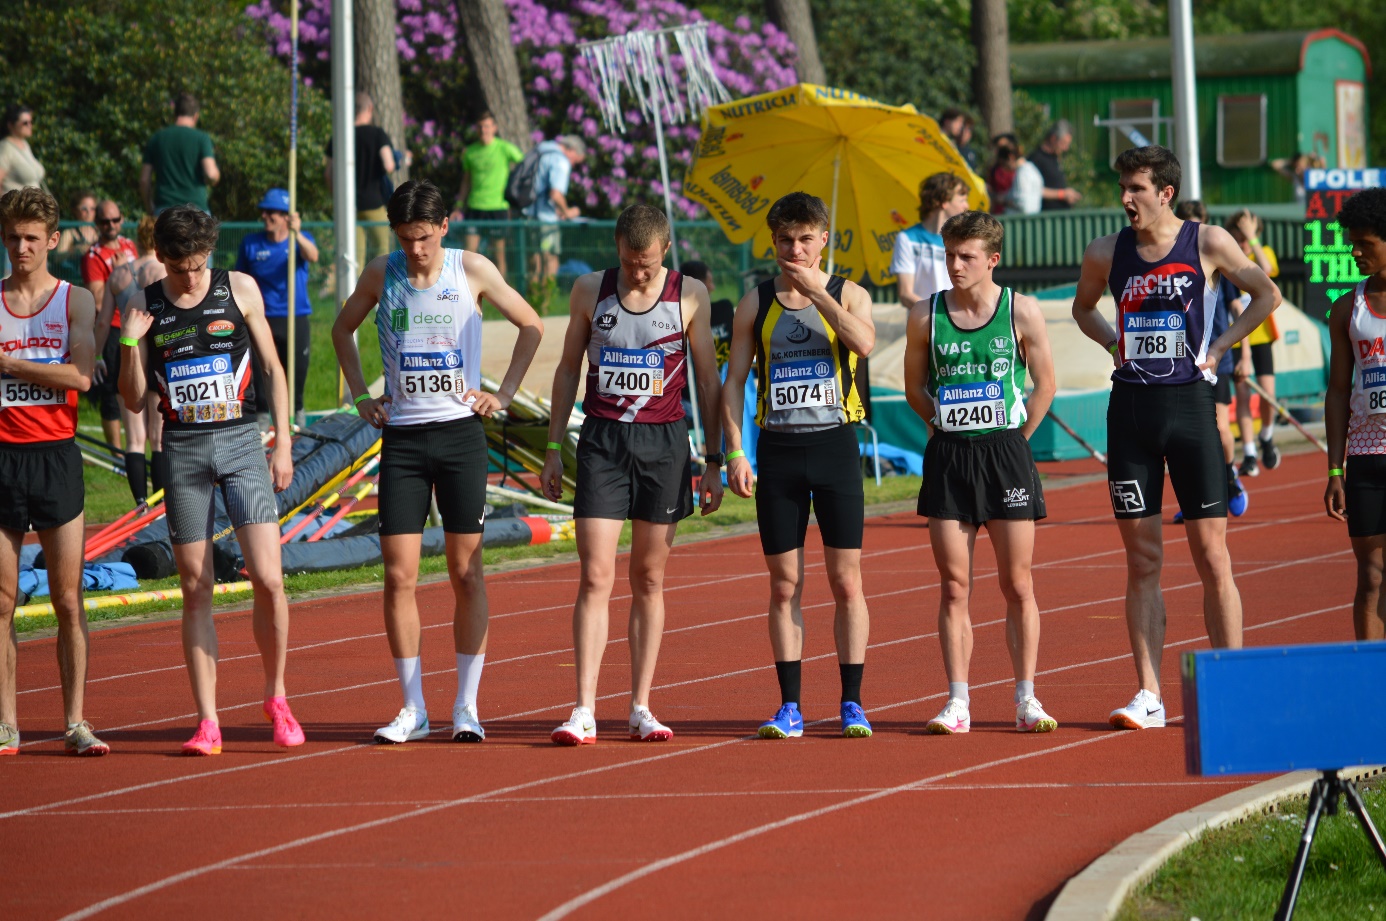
pixel 375 160
pixel 957 125
pixel 1057 195
pixel 179 163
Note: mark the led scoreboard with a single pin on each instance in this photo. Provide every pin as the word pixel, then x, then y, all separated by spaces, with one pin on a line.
pixel 1327 252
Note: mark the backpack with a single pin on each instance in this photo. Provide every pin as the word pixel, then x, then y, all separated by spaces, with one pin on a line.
pixel 522 189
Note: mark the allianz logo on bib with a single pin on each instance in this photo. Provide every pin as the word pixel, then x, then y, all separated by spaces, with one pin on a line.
pixel 632 358
pixel 431 361
pixel 1374 377
pixel 199 367
pixel 800 370
pixel 1146 321
pixel 967 393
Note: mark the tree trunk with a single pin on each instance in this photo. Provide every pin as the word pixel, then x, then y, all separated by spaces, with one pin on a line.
pixel 377 69
pixel 991 81
pixel 486 27
pixel 795 20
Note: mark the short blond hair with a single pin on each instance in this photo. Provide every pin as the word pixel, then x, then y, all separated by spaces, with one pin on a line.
pixel 642 226
pixel 29 204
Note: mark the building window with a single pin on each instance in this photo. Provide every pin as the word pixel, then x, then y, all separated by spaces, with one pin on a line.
pixel 1242 130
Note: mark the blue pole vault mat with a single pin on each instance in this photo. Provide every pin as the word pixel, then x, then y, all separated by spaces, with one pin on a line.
pixel 1284 708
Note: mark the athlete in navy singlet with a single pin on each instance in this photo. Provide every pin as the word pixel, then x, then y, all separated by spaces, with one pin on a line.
pixel 1161 409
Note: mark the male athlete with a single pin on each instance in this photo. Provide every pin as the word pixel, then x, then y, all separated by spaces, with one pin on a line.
pixel 428 317
pixel 188 337
pixel 1355 408
pixel 1161 410
pixel 46 355
pixel 638 326
pixel 918 260
pixel 966 355
pixel 806 331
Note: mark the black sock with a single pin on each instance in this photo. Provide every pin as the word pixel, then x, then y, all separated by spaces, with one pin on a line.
pixel 158 470
pixel 134 473
pixel 851 682
pixel 789 674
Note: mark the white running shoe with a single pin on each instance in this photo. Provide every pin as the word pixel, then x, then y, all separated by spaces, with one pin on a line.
pixel 1145 711
pixel 646 728
pixel 465 725
pixel 580 729
pixel 410 725
pixel 1030 717
pixel 954 719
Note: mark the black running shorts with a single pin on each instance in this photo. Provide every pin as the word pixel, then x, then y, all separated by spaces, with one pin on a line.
pixel 976 478
pixel 1222 390
pixel 641 471
pixel 443 458
pixel 1365 484
pixel 796 469
pixel 1149 426
pixel 40 485
pixel 1262 358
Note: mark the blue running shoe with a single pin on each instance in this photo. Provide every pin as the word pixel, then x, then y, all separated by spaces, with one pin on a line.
pixel 854 724
pixel 787 724
pixel 1236 498
pixel 1179 517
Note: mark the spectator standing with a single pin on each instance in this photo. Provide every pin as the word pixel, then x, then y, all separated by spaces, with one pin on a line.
pixel 486 169
pixel 264 257
pixel 375 161
pixel 74 242
pixel 19 168
pixel 957 125
pixel 1245 228
pixel 1057 140
pixel 179 162
pixel 111 250
pixel 1025 189
pixel 917 262
pixel 556 161
pixel 1000 172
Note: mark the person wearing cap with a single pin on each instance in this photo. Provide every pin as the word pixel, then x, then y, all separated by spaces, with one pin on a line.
pixel 556 161
pixel 265 258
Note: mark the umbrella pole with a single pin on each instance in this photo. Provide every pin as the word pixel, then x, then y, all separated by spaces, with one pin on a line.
pixel 832 209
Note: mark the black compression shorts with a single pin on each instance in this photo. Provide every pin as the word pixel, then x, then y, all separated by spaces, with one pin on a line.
pixel 1151 425
pixel 633 470
pixel 796 469
pixel 1365 485
pixel 975 478
pixel 446 458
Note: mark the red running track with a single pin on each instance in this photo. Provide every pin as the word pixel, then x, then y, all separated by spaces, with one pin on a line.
pixel 987 825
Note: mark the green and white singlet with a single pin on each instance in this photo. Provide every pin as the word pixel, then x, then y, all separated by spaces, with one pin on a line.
pixel 976 376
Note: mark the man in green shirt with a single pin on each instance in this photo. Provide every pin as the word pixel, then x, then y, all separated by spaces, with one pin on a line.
pixel 485 171
pixel 181 158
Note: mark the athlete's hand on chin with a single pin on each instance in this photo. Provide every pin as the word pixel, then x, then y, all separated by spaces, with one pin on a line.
pixel 551 480
pixel 802 278
pixel 135 323
pixel 739 477
pixel 282 465
pixel 1335 499
pixel 711 487
pixel 376 412
pixel 483 403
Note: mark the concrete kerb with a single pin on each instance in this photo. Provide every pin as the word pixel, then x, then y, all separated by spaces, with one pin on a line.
pixel 1100 890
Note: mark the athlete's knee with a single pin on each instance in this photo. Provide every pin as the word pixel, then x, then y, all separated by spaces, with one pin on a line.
pixel 1368 576
pixel 1017 587
pixel 646 581
pixel 267 581
pixel 1144 561
pixel 596 579
pixel 784 589
pixel 846 586
pixel 400 577
pixel 954 588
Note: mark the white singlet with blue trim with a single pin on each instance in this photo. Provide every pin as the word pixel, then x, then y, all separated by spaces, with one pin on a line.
pixel 430 342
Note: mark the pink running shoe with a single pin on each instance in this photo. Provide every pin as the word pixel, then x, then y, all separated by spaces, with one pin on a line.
pixel 287 731
pixel 206 741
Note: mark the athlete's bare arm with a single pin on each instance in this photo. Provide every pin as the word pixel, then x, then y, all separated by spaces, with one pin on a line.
pixel 904 289
pixel 1335 401
pixel 581 303
pixel 1039 361
pixel 697 325
pixel 742 352
pixel 1097 265
pixel 134 323
pixel 485 280
pixel 917 345
pixel 1220 252
pixel 354 312
pixel 850 320
pixel 76 373
pixel 247 294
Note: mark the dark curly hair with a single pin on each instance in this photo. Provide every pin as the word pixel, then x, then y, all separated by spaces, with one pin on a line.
pixel 1365 211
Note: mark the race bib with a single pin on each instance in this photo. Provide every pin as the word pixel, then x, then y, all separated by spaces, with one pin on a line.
pixel 1374 389
pixel 1151 334
pixel 203 389
pixel 17 392
pixel 631 372
pixel 800 384
pixel 431 373
pixel 970 407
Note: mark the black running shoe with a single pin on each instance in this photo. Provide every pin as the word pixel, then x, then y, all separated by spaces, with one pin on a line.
pixel 1249 466
pixel 1270 454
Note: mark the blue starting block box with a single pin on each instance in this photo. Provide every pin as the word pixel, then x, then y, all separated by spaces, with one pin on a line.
pixel 1289 708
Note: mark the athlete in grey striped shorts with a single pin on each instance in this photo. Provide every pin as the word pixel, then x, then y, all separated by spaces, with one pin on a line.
pixel 232 459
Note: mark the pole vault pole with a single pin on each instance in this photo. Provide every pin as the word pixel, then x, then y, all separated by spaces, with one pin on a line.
pixel 290 370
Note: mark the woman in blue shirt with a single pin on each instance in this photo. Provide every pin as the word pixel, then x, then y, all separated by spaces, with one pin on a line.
pixel 265 257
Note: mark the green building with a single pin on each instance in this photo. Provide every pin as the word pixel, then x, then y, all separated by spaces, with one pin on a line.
pixel 1261 96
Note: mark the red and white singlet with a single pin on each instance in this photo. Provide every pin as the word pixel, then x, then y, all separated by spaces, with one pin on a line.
pixel 31 412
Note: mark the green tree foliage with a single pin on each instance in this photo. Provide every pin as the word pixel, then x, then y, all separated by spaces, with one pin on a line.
pixel 100 76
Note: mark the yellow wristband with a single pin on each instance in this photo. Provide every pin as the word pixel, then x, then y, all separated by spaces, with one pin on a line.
pixel 732 455
pixel 133 343
pixel 1112 346
pixel 1335 471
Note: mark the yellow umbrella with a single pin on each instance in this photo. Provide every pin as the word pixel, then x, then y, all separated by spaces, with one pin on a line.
pixel 865 158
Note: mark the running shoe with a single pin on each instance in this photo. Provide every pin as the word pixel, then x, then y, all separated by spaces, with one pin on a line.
pixel 1030 717
pixel 1145 711
pixel 787 724
pixel 409 726
pixel 466 727
pixel 1237 498
pixel 580 729
pixel 1179 517
pixel 206 741
pixel 1270 454
pixel 1249 466
pixel 646 728
pixel 80 740
pixel 9 739
pixel 954 719
pixel 287 731
pixel 854 723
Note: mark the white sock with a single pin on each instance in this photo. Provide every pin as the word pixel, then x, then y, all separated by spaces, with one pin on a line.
pixel 468 679
pixel 410 674
pixel 1249 449
pixel 1024 689
pixel 1268 431
pixel 958 689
